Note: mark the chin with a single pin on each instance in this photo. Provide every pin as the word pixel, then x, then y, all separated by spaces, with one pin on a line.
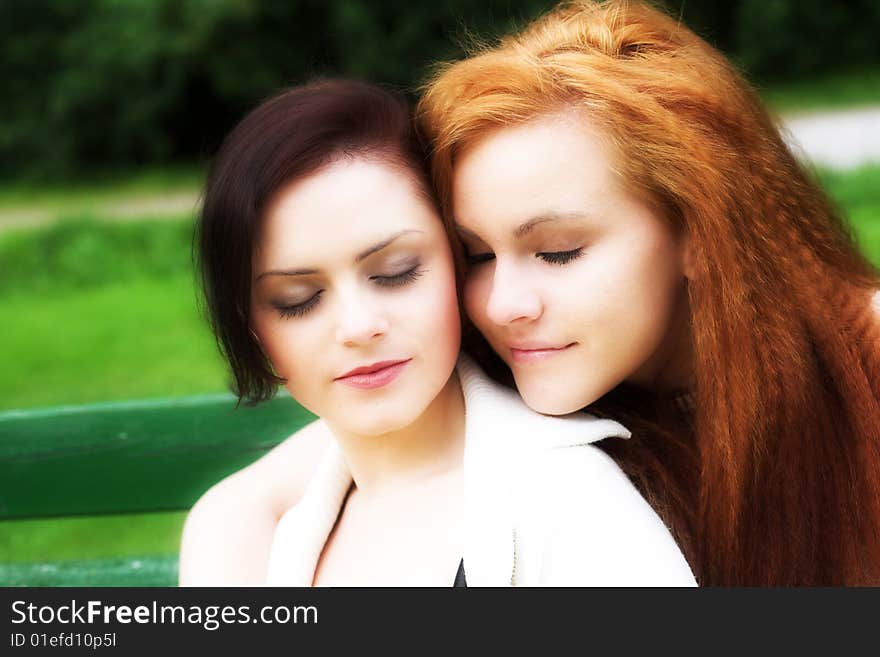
pixel 550 401
pixel 375 426
pixel 376 421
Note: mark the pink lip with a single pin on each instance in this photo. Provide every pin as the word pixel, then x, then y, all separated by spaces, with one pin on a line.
pixel 527 353
pixel 375 375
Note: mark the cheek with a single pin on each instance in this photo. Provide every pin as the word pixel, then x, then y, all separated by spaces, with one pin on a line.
pixel 277 348
pixel 443 327
pixel 477 287
pixel 634 295
pixel 268 331
pixel 286 345
pixel 658 276
pixel 425 315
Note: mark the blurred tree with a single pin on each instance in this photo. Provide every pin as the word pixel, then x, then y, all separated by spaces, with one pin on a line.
pixel 777 39
pixel 107 83
pixel 29 61
pixel 714 21
pixel 119 83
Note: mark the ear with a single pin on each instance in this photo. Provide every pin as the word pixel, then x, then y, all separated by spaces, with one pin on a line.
pixel 688 258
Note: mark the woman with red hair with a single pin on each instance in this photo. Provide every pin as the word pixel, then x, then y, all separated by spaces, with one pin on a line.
pixel 641 243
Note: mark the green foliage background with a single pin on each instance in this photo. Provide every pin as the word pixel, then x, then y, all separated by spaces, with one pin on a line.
pixel 104 83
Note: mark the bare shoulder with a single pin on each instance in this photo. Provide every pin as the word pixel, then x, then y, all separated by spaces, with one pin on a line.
pixel 284 472
pixel 228 532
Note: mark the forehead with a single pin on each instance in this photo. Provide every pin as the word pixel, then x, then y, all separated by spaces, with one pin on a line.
pixel 343 207
pixel 556 162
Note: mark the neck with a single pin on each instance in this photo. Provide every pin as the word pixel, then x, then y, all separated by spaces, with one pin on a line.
pixel 431 446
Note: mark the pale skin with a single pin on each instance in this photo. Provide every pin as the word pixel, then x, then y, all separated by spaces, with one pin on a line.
pixel 351 268
pixel 575 281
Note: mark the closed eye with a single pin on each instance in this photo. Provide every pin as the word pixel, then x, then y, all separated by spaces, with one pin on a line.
pixel 398 279
pixel 299 309
pixel 478 258
pixel 560 257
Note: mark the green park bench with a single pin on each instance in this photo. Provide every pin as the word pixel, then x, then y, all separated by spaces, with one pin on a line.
pixel 126 457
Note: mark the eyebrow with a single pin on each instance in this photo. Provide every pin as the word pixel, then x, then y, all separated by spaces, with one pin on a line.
pixel 363 255
pixel 360 257
pixel 528 226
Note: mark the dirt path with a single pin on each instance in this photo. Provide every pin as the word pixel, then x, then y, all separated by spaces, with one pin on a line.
pixel 841 139
pixel 170 205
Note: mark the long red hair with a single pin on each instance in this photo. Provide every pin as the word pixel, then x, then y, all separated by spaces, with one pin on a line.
pixel 773 477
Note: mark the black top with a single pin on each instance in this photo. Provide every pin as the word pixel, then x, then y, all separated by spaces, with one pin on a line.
pixel 460 581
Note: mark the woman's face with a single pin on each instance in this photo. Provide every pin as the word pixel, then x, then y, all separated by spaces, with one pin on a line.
pixel 354 298
pixel 572 280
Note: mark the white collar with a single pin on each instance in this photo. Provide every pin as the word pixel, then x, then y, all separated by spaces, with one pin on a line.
pixel 501 436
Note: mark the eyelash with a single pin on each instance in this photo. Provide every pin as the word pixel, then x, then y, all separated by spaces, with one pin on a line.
pixel 550 257
pixel 301 309
pixel 561 257
pixel 398 279
pixel 479 258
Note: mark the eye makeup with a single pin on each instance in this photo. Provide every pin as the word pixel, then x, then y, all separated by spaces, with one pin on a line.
pixel 478 258
pixel 533 237
pixel 405 277
pixel 550 257
pixel 396 280
pixel 476 255
pixel 560 257
pixel 298 309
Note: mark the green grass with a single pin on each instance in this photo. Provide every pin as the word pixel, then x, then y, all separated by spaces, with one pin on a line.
pixel 838 91
pixel 142 338
pixel 90 537
pixel 857 193
pixel 94 311
pixel 83 252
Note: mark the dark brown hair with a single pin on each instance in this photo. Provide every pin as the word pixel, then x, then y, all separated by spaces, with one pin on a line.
pixel 287 137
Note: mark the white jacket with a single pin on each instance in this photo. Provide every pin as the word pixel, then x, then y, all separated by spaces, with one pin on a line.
pixel 543 507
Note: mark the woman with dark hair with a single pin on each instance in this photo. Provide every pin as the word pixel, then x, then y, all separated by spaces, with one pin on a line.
pixel 642 244
pixel 326 268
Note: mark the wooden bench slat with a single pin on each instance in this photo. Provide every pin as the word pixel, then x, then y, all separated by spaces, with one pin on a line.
pixel 132 456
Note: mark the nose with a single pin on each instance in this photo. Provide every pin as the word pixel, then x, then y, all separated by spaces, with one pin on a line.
pixel 512 298
pixel 360 321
